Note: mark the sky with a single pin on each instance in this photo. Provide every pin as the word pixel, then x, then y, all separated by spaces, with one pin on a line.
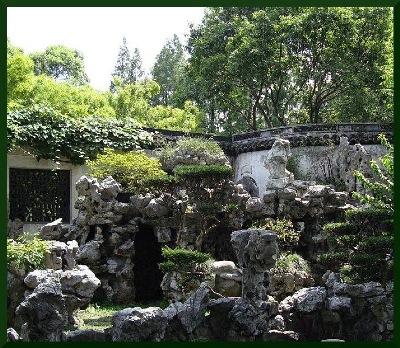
pixel 97 32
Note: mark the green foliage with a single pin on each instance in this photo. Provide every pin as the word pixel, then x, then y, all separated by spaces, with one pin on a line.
pixel 19 74
pixel 49 135
pixel 333 259
pixel 361 248
pixel 129 169
pixel 191 265
pixel 197 171
pixel 167 71
pixel 287 235
pixel 174 154
pixel 132 99
pixel 290 263
pixel 61 63
pixel 167 117
pixel 159 183
pixel 339 228
pixel 24 90
pixel 128 69
pixel 27 252
pixel 183 259
pixel 253 68
pixel 380 190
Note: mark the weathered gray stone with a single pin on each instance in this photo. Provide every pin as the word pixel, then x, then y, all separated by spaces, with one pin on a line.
pixel 228 278
pixel 193 311
pixel 257 251
pixel 51 231
pixel 305 300
pixel 44 312
pixel 277 323
pixel 163 234
pixel 280 336
pixel 87 336
pixel 12 335
pixel 89 252
pixel 275 162
pixel 248 319
pixel 80 281
pixel 337 303
pixel 110 188
pixel 137 325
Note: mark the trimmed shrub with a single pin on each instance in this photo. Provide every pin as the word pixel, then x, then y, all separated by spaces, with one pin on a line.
pixel 188 151
pixel 202 171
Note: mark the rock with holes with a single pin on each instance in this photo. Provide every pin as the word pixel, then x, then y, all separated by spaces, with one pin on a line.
pixel 44 312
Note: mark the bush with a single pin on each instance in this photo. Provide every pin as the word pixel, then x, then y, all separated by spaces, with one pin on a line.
pixel 287 235
pixel 379 190
pixel 202 170
pixel 193 266
pixel 49 135
pixel 159 183
pixel 339 228
pixel 27 252
pixel 290 263
pixel 192 151
pixel 129 169
pixel 182 260
pixel 361 249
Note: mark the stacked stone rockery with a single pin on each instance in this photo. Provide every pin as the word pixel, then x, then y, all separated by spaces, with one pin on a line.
pixel 43 303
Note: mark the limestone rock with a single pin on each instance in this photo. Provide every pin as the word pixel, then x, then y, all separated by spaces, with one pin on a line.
pixel 44 312
pixel 80 281
pixel 305 300
pixel 51 231
pixel 257 251
pixel 137 325
pixel 12 335
pixel 87 336
pixel 228 278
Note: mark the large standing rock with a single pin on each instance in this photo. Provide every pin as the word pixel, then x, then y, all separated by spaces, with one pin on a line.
pixel 44 312
pixel 257 252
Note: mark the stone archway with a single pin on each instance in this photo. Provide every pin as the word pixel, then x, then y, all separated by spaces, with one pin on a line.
pixel 147 275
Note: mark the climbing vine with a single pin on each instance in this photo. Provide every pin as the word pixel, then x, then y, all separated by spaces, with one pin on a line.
pixel 47 134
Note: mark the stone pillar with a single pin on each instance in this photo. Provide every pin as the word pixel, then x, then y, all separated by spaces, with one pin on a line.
pixel 257 251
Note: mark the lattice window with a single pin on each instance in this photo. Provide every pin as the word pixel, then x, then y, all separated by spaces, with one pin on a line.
pixel 38 195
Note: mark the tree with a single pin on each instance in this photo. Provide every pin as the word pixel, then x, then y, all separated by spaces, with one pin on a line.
pixel 128 69
pixel 19 74
pixel 25 89
pixel 261 67
pixel 61 63
pixel 168 70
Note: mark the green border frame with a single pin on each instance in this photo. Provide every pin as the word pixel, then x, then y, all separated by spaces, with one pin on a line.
pixel 174 3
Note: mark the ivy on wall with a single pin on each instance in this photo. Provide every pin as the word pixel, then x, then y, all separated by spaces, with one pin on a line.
pixel 47 134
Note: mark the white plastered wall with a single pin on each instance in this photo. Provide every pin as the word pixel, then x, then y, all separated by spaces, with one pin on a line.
pixel 312 163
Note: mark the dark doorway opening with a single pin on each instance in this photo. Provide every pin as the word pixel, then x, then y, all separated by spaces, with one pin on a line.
pixel 148 277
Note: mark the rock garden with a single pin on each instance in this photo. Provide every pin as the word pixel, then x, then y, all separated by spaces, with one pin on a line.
pixel 299 261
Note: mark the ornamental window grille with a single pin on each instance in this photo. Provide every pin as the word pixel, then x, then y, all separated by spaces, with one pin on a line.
pixel 39 195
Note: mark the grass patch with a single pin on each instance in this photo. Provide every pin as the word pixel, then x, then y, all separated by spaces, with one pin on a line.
pixel 99 316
